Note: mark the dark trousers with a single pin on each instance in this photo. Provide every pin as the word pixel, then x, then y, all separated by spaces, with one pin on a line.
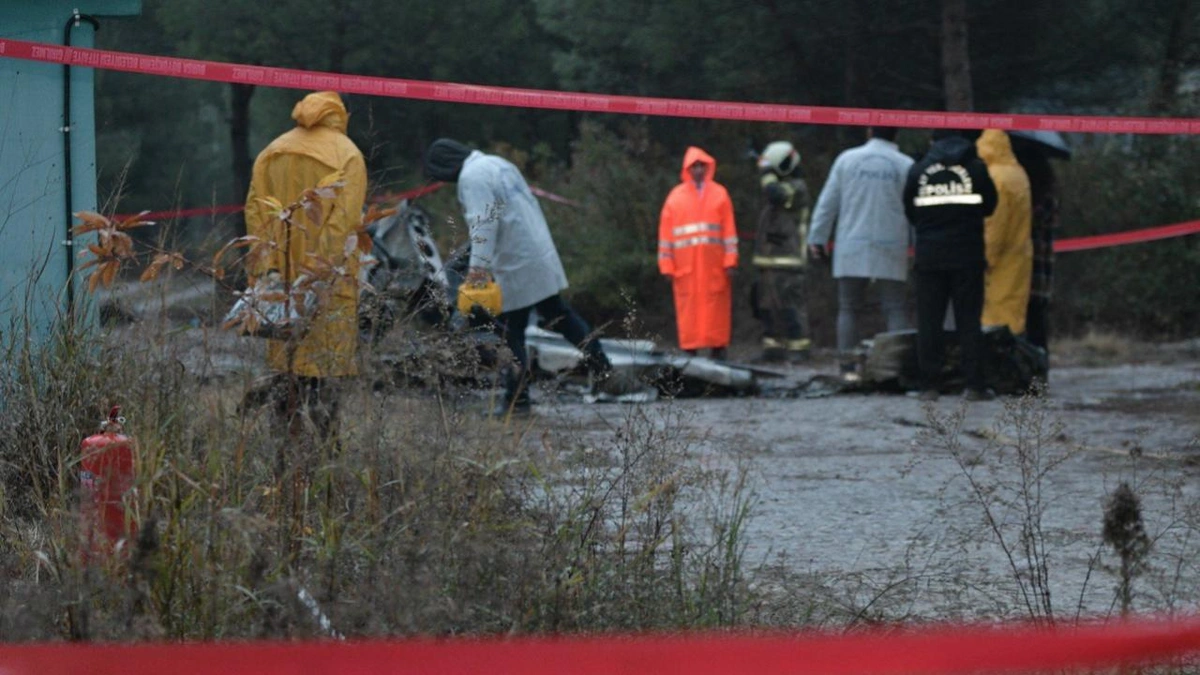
pixel 1037 321
pixel 780 303
pixel 935 288
pixel 555 315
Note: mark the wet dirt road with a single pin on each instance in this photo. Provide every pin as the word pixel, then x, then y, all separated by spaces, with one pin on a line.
pixel 864 491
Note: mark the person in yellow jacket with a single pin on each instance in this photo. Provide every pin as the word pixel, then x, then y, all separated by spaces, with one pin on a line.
pixel 1006 235
pixel 294 162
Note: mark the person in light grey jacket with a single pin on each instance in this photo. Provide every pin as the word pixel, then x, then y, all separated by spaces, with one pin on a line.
pixel 511 243
pixel 861 208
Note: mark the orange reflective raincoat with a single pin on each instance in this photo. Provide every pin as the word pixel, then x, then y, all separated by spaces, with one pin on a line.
pixel 291 164
pixel 697 243
pixel 1006 236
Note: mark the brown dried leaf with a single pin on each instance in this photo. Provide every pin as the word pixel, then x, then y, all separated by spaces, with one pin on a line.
pixel 329 191
pixel 375 213
pixel 92 221
pixel 152 270
pixel 150 273
pixel 240 242
pixel 134 221
pixel 122 245
pixel 109 271
pixel 312 211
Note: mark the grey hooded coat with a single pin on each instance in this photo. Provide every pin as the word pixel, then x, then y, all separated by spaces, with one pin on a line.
pixel 509 236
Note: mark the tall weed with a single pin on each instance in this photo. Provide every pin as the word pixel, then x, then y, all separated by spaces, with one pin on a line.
pixel 420 518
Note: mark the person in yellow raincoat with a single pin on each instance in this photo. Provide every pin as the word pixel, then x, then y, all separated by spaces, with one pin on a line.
pixel 1006 235
pixel 294 162
pixel 697 249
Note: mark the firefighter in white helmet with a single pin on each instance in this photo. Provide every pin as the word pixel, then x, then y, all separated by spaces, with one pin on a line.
pixel 780 254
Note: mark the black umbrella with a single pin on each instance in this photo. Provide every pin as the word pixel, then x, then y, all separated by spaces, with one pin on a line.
pixel 1050 142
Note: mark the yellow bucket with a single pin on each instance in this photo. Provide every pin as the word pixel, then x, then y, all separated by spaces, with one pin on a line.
pixel 486 296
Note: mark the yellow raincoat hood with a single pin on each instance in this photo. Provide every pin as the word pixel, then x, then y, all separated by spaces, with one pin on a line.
pixel 1006 235
pixel 692 156
pixel 322 108
pixel 994 147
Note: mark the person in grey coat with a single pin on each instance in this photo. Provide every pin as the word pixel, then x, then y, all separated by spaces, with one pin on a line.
pixel 511 244
pixel 863 200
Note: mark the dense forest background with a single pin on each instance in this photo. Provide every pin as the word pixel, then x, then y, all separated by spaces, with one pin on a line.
pixel 165 143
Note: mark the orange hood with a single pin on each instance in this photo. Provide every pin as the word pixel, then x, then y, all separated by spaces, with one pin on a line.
pixel 694 155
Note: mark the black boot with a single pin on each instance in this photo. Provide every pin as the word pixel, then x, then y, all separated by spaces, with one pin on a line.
pixel 516 399
pixel 512 407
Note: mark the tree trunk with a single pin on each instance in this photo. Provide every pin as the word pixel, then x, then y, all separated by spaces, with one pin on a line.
pixel 853 93
pixel 956 59
pixel 794 52
pixel 337 44
pixel 239 137
pixel 1163 100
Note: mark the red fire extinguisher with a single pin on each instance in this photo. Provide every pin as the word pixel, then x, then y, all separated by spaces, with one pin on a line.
pixel 106 474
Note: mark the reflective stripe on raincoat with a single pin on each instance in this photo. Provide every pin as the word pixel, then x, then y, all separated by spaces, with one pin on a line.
pixel 697 242
pixel 1006 235
pixel 291 164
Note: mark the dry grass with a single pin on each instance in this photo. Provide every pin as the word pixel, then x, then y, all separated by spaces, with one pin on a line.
pixel 1095 348
pixel 421 518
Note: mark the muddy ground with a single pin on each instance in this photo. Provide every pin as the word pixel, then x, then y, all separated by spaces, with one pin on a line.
pixel 887 499
pixel 865 490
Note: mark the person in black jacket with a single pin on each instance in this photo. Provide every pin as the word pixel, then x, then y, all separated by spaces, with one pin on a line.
pixel 946 197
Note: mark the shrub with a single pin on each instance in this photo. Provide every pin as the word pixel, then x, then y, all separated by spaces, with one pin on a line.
pixel 1139 289
pixel 422 518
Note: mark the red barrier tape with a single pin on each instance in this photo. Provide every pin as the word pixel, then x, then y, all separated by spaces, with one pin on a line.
pixel 238 208
pixel 184 213
pixel 929 651
pixel 553 197
pixel 397 197
pixel 556 100
pixel 386 198
pixel 1130 237
pixel 1060 246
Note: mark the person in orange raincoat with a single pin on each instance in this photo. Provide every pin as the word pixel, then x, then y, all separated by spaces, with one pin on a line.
pixel 1006 236
pixel 697 249
pixel 294 162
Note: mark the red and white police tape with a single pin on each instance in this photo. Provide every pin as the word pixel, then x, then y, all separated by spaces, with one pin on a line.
pixel 452 92
pixel 1127 237
pixel 638 105
pixel 1060 246
pixel 930 650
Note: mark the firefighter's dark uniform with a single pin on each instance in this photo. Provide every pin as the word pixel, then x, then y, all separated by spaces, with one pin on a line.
pixel 779 260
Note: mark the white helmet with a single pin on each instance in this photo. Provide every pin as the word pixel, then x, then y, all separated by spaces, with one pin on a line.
pixel 779 157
